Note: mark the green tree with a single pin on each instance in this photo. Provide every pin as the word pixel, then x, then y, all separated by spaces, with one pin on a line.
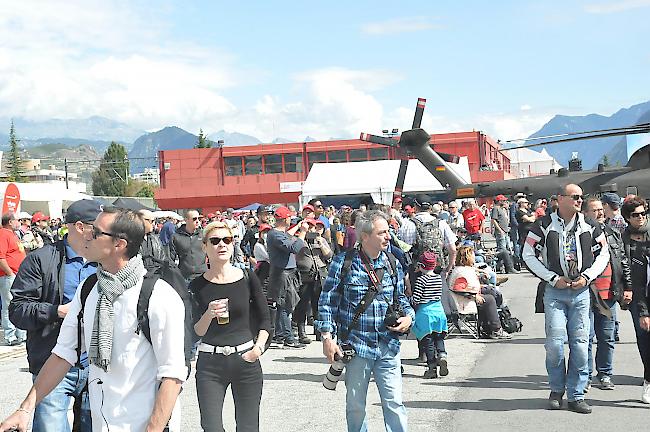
pixel 202 141
pixel 606 161
pixel 15 170
pixel 147 191
pixel 111 178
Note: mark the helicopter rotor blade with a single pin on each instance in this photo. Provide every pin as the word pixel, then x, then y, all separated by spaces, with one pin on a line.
pixel 645 129
pixel 625 128
pixel 378 139
pixel 419 112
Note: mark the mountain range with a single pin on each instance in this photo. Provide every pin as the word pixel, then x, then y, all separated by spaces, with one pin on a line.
pixel 97 132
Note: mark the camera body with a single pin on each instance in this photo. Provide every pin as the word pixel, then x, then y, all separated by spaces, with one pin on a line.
pixel 310 237
pixel 333 375
pixel 393 313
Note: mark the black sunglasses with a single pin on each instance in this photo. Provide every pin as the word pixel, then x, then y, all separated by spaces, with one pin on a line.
pixel 97 232
pixel 638 214
pixel 196 218
pixel 576 197
pixel 216 240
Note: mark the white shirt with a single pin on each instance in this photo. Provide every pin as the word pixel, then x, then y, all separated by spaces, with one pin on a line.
pixel 125 395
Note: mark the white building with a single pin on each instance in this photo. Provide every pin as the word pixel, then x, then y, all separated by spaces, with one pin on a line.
pixel 150 175
pixel 527 163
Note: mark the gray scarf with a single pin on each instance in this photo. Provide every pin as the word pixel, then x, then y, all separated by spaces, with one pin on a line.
pixel 110 287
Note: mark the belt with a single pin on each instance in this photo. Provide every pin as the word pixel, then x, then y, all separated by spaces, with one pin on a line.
pixel 224 350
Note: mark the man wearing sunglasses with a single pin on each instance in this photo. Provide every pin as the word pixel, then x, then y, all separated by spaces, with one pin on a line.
pixel 43 291
pixel 151 249
pixel 568 252
pixel 186 247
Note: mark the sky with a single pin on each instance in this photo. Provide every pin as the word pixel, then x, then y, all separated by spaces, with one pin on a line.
pixel 293 69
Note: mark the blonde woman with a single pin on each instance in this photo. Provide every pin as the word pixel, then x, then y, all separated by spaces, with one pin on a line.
pixel 227 301
pixel 464 279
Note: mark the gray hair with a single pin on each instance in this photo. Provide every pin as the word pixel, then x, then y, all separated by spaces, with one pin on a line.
pixel 364 221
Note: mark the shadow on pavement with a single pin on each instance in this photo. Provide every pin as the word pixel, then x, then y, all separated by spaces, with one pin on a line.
pixel 297 377
pixel 528 382
pixel 321 360
pixel 481 405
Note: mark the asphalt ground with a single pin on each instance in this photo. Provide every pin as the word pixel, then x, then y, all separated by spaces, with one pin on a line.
pixel 492 385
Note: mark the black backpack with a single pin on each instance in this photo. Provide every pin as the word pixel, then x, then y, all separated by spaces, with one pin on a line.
pixel 509 323
pixel 170 273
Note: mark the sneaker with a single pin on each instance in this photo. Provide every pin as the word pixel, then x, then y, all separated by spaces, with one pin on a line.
pixel 294 344
pixel 304 340
pixel 555 401
pixel 606 382
pixel 588 387
pixel 645 397
pixel 502 279
pixel 430 373
pixel 579 406
pixel 15 342
pixel 444 370
pixel 500 334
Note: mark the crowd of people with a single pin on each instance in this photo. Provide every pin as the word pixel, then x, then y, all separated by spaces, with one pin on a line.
pixel 363 278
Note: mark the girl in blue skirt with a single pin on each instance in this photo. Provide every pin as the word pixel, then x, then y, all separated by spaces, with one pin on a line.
pixel 430 320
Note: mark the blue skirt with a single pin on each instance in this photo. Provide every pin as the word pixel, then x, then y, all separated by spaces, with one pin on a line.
pixel 430 318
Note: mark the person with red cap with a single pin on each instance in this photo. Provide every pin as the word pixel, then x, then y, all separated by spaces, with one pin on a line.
pixel 430 320
pixel 41 229
pixel 500 217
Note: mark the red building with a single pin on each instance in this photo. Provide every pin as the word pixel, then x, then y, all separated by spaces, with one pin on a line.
pixel 216 178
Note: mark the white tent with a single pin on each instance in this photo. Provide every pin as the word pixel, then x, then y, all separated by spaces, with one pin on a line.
pixel 526 162
pixel 49 198
pixel 376 178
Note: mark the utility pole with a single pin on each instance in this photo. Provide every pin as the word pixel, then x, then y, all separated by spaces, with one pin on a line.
pixel 65 164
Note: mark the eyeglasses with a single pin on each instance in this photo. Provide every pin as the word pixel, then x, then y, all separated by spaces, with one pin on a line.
pixel 97 232
pixel 216 240
pixel 195 218
pixel 638 214
pixel 576 197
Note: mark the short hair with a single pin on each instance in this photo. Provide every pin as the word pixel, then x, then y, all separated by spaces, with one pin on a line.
pixel 313 200
pixel 562 189
pixel 127 225
pixel 628 207
pixel 365 221
pixel 7 217
pixel 585 203
pixel 353 217
pixel 465 256
pixel 212 226
pixel 186 213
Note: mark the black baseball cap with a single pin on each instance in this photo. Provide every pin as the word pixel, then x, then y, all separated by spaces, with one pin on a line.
pixel 84 211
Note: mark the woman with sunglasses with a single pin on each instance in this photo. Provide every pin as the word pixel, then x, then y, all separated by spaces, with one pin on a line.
pixel 637 246
pixel 227 301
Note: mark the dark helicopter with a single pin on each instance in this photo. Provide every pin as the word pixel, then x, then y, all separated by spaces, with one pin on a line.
pixel 633 178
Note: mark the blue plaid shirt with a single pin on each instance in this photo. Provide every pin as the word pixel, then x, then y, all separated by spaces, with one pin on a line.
pixel 335 310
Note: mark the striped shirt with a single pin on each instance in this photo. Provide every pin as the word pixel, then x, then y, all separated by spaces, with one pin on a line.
pixel 428 288
pixel 336 311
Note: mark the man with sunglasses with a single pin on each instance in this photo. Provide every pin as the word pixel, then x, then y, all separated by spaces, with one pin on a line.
pixel 44 287
pixel 186 247
pixel 318 214
pixel 151 248
pixel 568 252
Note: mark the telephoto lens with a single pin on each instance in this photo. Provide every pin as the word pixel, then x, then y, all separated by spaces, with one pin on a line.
pixel 334 373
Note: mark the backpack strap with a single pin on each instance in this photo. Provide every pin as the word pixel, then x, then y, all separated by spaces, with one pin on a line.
pixel 345 270
pixel 142 309
pixel 392 260
pixel 87 286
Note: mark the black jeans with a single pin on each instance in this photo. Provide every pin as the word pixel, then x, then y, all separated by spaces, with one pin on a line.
pixel 214 373
pixel 642 341
pixel 434 347
pixel 488 315
pixel 309 293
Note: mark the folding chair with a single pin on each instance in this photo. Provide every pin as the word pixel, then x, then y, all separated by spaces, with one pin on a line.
pixel 467 323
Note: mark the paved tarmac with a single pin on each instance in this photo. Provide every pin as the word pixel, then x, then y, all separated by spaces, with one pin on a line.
pixel 492 385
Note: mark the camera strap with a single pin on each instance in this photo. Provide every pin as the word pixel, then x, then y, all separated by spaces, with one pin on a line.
pixel 374 279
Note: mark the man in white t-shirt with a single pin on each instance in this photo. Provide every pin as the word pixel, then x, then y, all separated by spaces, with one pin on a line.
pixel 133 384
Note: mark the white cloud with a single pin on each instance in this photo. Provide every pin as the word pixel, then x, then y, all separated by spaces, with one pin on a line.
pixel 515 125
pixel 400 25
pixel 616 6
pixel 525 107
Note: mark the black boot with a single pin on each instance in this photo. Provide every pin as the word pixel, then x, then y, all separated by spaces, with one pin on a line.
pixel 302 334
pixel 507 262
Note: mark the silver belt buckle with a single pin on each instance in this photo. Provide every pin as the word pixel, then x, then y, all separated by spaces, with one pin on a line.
pixel 227 350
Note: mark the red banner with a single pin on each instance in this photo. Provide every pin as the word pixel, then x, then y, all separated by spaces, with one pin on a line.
pixel 11 200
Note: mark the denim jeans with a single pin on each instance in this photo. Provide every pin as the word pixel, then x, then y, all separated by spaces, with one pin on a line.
pixel 51 414
pixel 388 377
pixel 434 348
pixel 11 332
pixel 602 328
pixel 567 318
pixel 283 326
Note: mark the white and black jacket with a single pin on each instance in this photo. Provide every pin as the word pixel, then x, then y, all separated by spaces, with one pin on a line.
pixel 543 250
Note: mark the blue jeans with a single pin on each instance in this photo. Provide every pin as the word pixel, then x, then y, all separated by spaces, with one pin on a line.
pixel 283 326
pixel 603 329
pixel 51 414
pixel 11 332
pixel 388 377
pixel 567 318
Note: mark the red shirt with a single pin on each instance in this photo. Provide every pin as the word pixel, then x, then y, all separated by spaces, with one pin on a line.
pixel 473 220
pixel 11 250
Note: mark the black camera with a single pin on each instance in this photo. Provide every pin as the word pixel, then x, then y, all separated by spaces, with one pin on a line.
pixel 310 237
pixel 335 371
pixel 393 313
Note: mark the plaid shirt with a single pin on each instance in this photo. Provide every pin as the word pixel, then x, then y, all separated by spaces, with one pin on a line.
pixel 336 309
pixel 408 231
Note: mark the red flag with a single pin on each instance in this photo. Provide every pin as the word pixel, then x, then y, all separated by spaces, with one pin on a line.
pixel 11 200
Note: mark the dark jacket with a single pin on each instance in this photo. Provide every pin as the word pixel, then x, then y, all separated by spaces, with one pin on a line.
pixel 37 293
pixel 151 247
pixel 621 275
pixel 187 247
pixel 638 254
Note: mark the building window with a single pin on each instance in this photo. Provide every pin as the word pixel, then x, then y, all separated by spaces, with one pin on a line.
pixel 358 155
pixel 378 153
pixel 252 165
pixel 337 156
pixel 272 164
pixel 293 162
pixel 316 157
pixel 233 165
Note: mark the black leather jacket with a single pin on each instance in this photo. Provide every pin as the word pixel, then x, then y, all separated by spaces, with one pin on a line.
pixel 621 275
pixel 638 254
